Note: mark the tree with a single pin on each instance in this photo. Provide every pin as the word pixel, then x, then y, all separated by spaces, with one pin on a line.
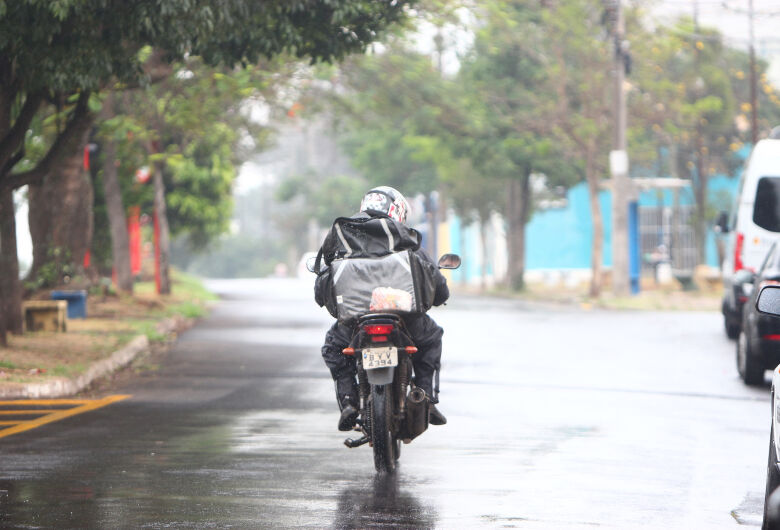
pixel 509 134
pixel 396 113
pixel 76 48
pixel 577 76
pixel 690 109
pixel 392 107
pixel 189 129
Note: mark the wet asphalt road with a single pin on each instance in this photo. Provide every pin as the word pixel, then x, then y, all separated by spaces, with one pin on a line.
pixel 558 418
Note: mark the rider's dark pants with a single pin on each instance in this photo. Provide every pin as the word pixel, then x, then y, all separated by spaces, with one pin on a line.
pixel 425 334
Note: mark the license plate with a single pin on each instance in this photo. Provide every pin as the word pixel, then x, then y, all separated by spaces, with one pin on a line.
pixel 380 357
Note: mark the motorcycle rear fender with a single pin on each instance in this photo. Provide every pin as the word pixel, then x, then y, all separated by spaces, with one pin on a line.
pixel 380 376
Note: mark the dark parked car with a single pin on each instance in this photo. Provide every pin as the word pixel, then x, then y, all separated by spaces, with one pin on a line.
pixel 735 294
pixel 758 345
pixel 768 304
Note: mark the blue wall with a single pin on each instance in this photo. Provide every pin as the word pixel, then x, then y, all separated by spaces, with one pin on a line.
pixel 561 238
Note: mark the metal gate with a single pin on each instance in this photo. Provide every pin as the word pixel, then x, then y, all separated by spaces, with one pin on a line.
pixel 666 234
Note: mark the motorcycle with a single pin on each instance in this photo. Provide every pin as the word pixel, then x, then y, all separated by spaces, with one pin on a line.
pixel 392 409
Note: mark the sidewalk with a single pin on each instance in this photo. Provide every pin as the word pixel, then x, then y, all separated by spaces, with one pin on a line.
pixel 648 299
pixel 117 331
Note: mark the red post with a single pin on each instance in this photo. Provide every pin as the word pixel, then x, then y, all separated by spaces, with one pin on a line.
pixel 134 235
pixel 157 278
pixel 87 256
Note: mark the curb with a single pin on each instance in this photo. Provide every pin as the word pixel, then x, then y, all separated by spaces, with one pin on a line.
pixel 67 387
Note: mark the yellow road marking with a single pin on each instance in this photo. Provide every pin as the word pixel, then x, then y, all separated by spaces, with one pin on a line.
pixel 32 411
pixel 85 405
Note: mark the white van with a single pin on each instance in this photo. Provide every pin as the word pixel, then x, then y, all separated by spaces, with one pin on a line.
pixel 752 228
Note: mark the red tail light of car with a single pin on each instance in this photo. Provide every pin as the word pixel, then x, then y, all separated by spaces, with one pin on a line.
pixel 740 243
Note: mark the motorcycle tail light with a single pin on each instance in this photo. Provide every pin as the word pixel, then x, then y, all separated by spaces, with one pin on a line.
pixel 378 329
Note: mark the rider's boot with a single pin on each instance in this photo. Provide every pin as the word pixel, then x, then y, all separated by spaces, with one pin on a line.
pixel 435 416
pixel 347 396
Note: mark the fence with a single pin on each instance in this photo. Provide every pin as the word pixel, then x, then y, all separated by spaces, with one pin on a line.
pixel 666 233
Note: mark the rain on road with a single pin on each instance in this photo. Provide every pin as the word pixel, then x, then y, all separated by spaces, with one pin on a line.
pixel 558 418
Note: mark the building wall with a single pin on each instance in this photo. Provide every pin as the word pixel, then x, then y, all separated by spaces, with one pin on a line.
pixel 558 240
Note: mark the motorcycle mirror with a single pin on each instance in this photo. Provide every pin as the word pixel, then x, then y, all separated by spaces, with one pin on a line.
pixel 310 263
pixel 768 301
pixel 449 261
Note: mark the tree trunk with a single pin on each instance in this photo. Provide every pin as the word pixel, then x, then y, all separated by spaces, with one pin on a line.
pixel 518 210
pixel 597 247
pixel 117 219
pixel 513 269
pixel 462 245
pixel 433 222
pixel 3 338
pixel 161 217
pixel 483 222
pixel 522 219
pixel 700 221
pixel 60 219
pixel 9 266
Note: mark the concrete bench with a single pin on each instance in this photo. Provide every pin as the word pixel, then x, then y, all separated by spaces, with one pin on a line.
pixel 45 315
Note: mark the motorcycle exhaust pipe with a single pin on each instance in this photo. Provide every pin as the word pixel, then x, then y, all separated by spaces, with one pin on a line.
pixel 416 414
pixel 417 395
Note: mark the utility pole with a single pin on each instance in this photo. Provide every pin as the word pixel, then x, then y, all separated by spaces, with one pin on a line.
pixel 753 82
pixel 619 164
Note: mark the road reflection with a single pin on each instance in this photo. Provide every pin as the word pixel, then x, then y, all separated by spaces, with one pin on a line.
pixel 383 503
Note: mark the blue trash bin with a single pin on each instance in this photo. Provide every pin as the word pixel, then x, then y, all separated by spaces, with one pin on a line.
pixel 77 302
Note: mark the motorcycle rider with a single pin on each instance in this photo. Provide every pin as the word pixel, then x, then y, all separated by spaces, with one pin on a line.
pixel 389 203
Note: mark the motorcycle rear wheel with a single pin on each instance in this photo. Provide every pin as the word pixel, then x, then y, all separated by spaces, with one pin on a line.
pixel 382 439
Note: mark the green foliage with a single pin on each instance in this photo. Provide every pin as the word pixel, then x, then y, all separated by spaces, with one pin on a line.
pixel 197 120
pixel 691 108
pixel 395 112
pixel 60 51
pixel 323 199
pixel 199 187
pixel 148 328
pixel 191 288
pixel 69 45
pixel 57 270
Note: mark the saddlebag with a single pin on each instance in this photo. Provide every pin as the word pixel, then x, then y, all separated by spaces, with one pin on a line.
pixel 398 282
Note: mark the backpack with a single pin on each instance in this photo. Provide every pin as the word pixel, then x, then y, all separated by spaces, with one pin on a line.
pixel 370 262
pixel 365 236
